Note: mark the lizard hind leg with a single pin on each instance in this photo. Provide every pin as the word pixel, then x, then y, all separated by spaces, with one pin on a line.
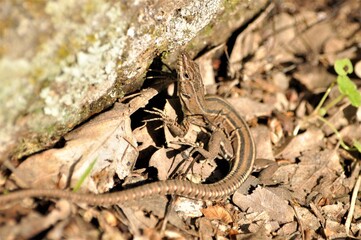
pixel 219 146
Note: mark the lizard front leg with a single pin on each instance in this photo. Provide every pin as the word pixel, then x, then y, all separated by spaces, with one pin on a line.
pixel 176 129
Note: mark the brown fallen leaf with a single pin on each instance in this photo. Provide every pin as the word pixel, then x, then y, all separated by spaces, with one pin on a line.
pixel 217 213
pixel 311 139
pixel 261 135
pixel 316 78
pixel 34 223
pixel 262 200
pixel 107 140
pixel 250 109
pixel 205 228
pixel 316 173
pixel 306 218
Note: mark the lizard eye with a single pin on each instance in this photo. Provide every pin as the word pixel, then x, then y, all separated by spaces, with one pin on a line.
pixel 185 75
pixel 186 95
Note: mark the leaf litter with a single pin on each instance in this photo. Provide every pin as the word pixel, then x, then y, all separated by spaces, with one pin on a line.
pixel 301 186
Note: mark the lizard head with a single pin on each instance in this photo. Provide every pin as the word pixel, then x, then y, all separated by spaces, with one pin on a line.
pixel 190 86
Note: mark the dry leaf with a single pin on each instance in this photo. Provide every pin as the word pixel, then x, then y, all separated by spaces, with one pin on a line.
pixel 288 229
pixel 163 161
pixel 250 109
pixel 35 223
pixel 307 219
pixel 261 135
pixel 107 139
pixel 317 172
pixel 316 78
pixel 217 213
pixel 205 229
pixel 143 137
pixel 263 200
pixel 311 139
pixel 206 68
pixel 186 207
pixel 332 47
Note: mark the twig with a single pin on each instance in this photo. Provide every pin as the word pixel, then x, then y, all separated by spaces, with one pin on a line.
pixel 352 205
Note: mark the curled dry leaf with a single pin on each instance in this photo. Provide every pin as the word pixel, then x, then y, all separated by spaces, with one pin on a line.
pixel 217 213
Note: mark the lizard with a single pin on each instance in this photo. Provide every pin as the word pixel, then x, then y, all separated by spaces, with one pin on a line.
pixel 230 133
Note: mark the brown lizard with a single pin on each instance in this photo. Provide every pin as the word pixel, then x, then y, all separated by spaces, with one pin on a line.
pixel 230 134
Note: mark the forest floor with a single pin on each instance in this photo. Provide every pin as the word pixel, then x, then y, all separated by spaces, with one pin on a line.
pixel 276 72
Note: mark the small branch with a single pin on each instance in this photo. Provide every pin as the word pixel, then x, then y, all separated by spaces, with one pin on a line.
pixel 352 205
